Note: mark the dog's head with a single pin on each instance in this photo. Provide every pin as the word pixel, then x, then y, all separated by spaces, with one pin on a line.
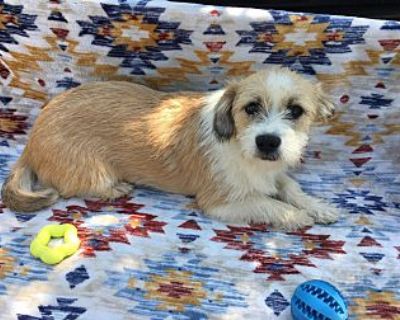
pixel 268 115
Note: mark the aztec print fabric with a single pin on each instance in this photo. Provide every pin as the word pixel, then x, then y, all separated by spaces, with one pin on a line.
pixel 154 255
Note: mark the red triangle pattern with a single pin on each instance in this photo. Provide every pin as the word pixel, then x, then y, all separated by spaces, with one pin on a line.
pixel 190 224
pixel 215 13
pixel 368 241
pixel 364 148
pixel 360 161
pixel 389 44
pixel 214 46
pixel 60 33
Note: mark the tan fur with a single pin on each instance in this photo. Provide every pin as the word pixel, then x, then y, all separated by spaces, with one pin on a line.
pixel 18 195
pixel 96 139
pixel 89 140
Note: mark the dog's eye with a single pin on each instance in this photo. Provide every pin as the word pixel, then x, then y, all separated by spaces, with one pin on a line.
pixel 295 111
pixel 252 108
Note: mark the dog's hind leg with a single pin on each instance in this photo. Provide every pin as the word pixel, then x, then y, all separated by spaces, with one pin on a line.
pixel 106 188
pixel 90 178
pixel 115 191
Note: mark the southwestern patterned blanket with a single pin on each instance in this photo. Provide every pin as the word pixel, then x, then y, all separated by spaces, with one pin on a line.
pixel 154 255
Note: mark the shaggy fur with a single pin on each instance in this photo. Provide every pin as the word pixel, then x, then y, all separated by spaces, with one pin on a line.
pixel 100 138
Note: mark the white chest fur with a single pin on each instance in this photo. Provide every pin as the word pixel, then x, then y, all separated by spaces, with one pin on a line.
pixel 241 176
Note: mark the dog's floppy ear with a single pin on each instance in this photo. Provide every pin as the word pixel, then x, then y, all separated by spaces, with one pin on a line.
pixel 224 124
pixel 325 106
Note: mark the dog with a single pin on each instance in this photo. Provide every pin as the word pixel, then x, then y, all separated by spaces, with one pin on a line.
pixel 230 148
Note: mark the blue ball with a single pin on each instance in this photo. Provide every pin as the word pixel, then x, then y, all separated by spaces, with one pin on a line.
pixel 318 300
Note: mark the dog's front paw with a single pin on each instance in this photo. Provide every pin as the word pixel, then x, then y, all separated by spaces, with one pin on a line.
pixel 293 220
pixel 322 212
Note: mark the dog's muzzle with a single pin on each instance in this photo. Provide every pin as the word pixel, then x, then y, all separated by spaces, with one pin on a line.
pixel 268 146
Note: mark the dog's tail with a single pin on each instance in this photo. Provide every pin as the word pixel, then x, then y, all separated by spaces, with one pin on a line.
pixel 20 192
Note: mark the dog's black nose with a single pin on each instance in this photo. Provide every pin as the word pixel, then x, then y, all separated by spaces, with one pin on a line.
pixel 268 143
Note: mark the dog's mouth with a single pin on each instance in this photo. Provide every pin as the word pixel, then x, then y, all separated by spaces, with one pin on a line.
pixel 269 156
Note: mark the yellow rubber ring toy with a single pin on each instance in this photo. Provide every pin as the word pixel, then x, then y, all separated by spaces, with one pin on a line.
pixel 39 246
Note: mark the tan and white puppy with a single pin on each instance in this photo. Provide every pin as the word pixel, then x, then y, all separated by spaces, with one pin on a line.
pixel 231 148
